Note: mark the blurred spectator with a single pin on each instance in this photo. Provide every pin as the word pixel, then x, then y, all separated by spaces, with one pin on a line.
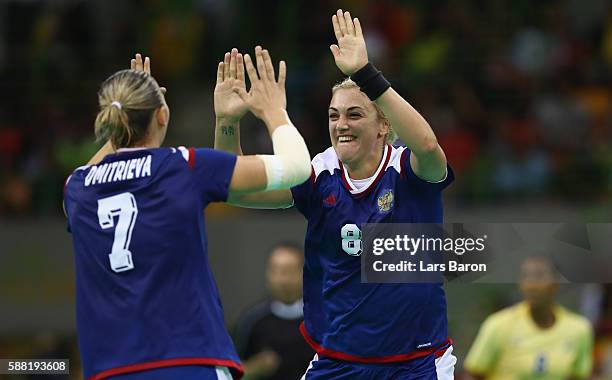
pixel 535 339
pixel 268 337
pixel 476 69
pixel 16 197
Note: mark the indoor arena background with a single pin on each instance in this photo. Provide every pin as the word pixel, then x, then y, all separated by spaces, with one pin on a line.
pixel 518 92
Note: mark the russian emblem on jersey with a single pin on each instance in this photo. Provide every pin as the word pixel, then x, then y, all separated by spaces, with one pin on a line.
pixel 385 201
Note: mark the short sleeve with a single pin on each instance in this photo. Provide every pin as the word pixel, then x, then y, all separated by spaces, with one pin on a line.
pixel 214 170
pixel 583 364
pixel 302 195
pixel 483 354
pixel 409 174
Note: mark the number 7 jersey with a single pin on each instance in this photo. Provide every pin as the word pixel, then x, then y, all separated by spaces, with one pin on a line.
pixel 343 318
pixel 146 296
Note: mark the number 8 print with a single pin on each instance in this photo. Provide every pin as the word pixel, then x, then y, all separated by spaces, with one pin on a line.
pixel 351 239
pixel 124 206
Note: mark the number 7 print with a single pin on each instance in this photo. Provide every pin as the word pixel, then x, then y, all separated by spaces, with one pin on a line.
pixel 124 206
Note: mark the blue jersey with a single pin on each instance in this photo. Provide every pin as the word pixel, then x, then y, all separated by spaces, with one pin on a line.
pixel 146 296
pixel 344 318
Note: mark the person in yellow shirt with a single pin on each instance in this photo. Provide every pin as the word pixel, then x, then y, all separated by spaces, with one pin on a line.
pixel 534 339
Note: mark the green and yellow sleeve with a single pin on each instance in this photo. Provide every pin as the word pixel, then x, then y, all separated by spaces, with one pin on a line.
pixel 483 354
pixel 583 365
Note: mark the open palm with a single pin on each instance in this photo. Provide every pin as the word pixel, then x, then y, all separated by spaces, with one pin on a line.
pixel 230 75
pixel 266 92
pixel 350 53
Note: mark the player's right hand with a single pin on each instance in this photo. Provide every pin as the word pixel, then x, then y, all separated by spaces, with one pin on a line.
pixel 230 75
pixel 138 64
pixel 266 95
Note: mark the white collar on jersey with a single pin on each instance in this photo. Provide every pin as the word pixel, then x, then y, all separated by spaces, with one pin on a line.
pixel 360 184
pixel 365 184
pixel 288 311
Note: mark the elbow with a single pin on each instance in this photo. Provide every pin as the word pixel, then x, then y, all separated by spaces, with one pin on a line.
pixel 300 157
pixel 292 152
pixel 429 146
pixel 305 175
pixel 303 168
pixel 284 171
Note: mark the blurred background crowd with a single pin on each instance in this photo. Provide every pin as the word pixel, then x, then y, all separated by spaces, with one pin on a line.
pixel 519 93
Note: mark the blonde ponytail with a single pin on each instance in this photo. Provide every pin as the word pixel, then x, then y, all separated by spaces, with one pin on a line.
pixel 112 124
pixel 127 102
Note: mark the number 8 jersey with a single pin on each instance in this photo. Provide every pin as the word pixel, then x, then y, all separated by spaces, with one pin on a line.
pixel 146 296
pixel 343 318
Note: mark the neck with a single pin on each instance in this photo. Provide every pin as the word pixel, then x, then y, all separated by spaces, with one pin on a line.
pixel 151 142
pixel 543 315
pixel 367 166
pixel 153 138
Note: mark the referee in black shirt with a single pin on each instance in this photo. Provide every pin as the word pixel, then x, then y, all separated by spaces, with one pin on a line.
pixel 267 336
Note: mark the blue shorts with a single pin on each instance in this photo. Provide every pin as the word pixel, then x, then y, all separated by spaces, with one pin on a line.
pixel 191 372
pixel 431 367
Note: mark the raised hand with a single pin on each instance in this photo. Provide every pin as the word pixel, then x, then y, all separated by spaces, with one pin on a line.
pixel 350 53
pixel 266 95
pixel 138 64
pixel 230 75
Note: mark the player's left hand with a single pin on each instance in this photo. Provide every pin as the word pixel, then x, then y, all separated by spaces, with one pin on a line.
pixel 350 53
pixel 230 75
pixel 267 94
pixel 138 64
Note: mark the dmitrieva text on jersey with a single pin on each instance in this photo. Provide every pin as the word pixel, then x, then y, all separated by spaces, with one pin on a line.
pixel 119 171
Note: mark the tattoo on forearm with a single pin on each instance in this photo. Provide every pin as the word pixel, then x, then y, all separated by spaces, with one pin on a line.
pixel 227 131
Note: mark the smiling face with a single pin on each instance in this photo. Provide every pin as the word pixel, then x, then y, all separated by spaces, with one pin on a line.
pixel 357 132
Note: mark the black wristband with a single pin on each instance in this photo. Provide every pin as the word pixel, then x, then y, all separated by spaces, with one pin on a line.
pixel 371 81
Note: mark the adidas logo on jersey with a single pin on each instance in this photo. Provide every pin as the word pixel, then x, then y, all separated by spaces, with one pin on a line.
pixel 330 201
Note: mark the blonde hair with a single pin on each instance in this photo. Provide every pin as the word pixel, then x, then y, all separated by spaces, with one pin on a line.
pixel 348 84
pixel 127 101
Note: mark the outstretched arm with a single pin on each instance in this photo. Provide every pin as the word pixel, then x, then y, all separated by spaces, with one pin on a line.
pixel 290 164
pixel 229 109
pixel 427 158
